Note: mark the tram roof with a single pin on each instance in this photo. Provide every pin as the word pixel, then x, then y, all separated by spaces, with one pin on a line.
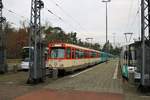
pixel 76 46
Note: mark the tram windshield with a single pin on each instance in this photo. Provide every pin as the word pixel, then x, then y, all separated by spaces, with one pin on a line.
pixel 25 53
pixel 57 53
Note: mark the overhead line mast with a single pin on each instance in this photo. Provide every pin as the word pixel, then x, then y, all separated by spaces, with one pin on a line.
pixel 145 29
pixel 3 64
pixel 36 56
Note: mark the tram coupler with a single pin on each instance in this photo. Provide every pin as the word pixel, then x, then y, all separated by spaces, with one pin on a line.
pixel 53 73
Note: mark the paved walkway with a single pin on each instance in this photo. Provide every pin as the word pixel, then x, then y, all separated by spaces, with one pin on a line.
pixel 98 79
pixel 96 83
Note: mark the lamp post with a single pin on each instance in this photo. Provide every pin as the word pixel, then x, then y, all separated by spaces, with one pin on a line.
pixel 106 1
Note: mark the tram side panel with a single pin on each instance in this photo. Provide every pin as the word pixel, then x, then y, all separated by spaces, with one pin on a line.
pixel 70 65
pixel 71 57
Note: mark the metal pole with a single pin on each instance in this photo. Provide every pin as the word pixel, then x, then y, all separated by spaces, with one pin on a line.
pixel 149 18
pixel 106 23
pixel 143 41
pixel 3 64
pixel 106 1
pixel 36 64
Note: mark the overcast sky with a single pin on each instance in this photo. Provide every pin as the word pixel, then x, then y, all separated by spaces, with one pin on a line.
pixel 86 17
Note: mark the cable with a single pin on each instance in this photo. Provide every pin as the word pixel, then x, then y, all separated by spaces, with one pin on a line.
pixel 60 18
pixel 129 14
pixel 13 12
pixel 54 14
pixel 28 21
pixel 22 17
pixel 135 19
pixel 130 25
pixel 67 14
pixel 135 25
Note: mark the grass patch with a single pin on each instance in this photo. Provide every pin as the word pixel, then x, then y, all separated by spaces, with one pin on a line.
pixel 14 61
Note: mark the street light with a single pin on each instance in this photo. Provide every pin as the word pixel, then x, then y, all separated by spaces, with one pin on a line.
pixel 106 1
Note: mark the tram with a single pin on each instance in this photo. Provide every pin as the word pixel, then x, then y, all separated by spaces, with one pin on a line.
pixel 25 57
pixel 70 57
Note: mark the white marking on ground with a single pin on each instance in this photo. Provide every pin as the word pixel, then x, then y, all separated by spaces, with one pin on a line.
pixel 116 72
pixel 81 72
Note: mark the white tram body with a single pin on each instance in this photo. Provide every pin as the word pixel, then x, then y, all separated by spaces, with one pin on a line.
pixel 70 57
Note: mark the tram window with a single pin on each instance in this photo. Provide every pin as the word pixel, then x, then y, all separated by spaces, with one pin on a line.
pixel 57 53
pixel 98 54
pixel 77 54
pixel 73 53
pixel 68 53
pixel 25 52
pixel 85 54
pixel 93 54
pixel 81 54
pixel 90 54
